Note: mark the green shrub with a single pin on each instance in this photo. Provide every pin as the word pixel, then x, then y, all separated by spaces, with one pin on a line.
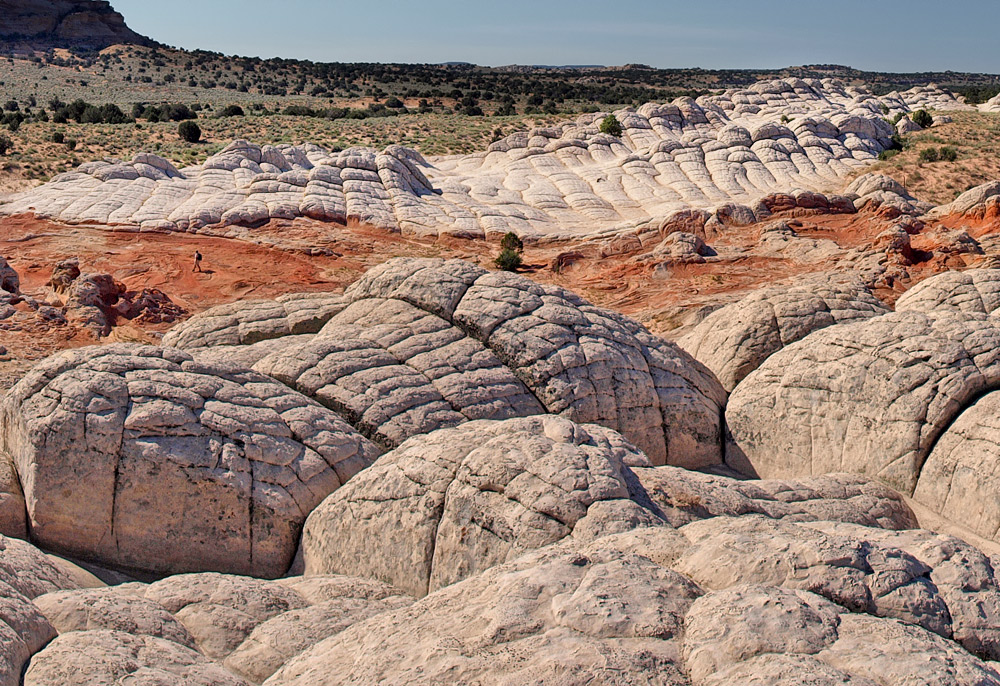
pixel 948 154
pixel 71 144
pixel 887 154
pixel 232 111
pixel 611 126
pixel 922 119
pixel 189 131
pixel 59 137
pixel 508 260
pixel 929 155
pixel 5 144
pixel 510 241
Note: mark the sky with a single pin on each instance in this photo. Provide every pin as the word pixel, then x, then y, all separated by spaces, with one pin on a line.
pixel 879 35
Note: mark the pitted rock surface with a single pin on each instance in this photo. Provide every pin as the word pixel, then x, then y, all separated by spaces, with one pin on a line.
pixel 91 658
pixel 858 573
pixel 445 506
pixel 274 642
pixel 973 290
pixel 735 339
pixel 732 634
pixel 871 397
pixel 112 609
pixel 220 610
pixel 125 449
pixel 631 619
pixel 245 322
pixel 550 617
pixel 562 181
pixel 963 576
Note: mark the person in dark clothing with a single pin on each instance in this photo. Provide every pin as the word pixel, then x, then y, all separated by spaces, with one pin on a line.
pixel 197 261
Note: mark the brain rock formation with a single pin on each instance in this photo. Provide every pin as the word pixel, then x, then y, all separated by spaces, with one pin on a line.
pixel 734 340
pixel 493 548
pixel 909 398
pixel 123 449
pixel 425 344
pixel 870 397
pixel 563 181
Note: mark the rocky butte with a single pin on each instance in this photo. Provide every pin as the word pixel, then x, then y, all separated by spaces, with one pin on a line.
pixel 65 23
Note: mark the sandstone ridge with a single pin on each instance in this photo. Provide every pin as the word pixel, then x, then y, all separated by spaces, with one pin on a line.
pixel 786 136
pixel 90 24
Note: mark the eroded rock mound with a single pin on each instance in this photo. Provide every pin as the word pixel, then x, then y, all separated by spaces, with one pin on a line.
pixel 459 501
pixel 734 340
pixel 615 610
pixel 870 397
pixel 139 457
pixel 445 506
pixel 92 24
pixel 245 322
pixel 973 290
pixel 788 137
pixel 960 476
pixel 422 344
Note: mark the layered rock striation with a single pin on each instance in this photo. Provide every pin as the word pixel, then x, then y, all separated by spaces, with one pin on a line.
pixel 559 182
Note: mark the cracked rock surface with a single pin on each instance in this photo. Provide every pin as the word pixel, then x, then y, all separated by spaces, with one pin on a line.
pixel 423 344
pixel 122 449
pixel 871 397
pixel 735 339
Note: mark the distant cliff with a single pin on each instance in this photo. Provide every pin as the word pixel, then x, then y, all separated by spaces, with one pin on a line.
pixel 65 23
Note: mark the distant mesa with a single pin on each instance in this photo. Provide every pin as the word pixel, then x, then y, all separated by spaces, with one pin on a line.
pixel 65 24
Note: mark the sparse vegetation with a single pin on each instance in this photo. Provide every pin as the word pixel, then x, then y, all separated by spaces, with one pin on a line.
pixel 511 241
pixel 189 131
pixel 966 153
pixel 508 260
pixel 922 118
pixel 611 126
pixel 511 248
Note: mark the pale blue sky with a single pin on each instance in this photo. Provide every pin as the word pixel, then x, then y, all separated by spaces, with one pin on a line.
pixel 887 35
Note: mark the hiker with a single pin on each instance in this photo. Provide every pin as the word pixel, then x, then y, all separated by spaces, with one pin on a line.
pixel 197 261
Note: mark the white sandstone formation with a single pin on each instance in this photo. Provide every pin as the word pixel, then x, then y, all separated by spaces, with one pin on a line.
pixel 121 449
pixel 564 181
pixel 735 339
pixel 422 344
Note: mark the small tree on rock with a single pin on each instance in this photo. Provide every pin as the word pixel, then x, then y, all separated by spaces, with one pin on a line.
pixel 510 241
pixel 510 252
pixel 611 126
pixel 189 131
pixel 922 119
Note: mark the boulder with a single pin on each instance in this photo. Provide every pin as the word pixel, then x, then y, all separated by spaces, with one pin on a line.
pixel 95 658
pixel 580 361
pixel 458 501
pixel 124 449
pixel 111 609
pixel 973 290
pixel 735 339
pixel 870 397
pixel 244 322
pixel 221 610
